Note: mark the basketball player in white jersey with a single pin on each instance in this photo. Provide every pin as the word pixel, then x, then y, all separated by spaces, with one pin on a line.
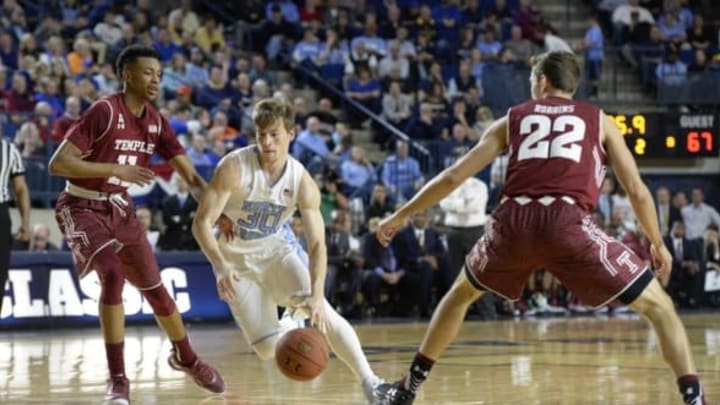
pixel 259 188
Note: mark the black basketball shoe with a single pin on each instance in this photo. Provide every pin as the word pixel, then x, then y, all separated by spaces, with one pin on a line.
pixel 395 393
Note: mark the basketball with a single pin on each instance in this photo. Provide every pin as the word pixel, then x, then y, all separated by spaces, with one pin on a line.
pixel 302 354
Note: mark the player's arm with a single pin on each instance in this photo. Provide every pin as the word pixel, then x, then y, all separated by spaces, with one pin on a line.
pixel 184 167
pixel 309 206
pixel 94 124
pixel 626 171
pixel 491 144
pixel 210 207
pixel 68 162
pixel 22 200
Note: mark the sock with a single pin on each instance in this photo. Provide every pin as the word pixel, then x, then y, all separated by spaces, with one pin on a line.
pixel 419 371
pixel 690 389
pixel 115 358
pixel 345 344
pixel 183 352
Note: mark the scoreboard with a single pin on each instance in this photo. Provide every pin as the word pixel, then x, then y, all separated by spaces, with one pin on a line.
pixel 670 135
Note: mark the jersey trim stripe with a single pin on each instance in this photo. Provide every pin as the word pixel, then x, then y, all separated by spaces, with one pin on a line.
pixel 110 121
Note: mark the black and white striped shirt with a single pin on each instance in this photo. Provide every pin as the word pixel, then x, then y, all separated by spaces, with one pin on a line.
pixel 11 165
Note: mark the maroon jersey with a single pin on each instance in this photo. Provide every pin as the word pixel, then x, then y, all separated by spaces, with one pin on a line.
pixel 109 133
pixel 555 149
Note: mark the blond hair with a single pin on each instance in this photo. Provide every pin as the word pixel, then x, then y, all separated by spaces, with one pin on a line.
pixel 271 110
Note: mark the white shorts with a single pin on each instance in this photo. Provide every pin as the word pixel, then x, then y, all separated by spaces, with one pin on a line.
pixel 277 276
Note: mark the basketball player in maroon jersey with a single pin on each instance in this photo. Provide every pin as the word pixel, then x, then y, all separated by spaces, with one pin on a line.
pixel 107 150
pixel 557 151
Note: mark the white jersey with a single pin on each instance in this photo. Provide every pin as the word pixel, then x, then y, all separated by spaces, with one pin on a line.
pixel 258 208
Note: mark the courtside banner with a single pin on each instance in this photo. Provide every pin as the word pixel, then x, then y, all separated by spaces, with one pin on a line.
pixel 43 290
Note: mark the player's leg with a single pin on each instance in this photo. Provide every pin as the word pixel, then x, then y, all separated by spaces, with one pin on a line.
pixel 288 279
pixel 611 271
pixel 444 326
pixel 500 270
pixel 448 317
pixel 93 247
pixel 141 269
pixel 5 243
pixel 657 307
pixel 112 321
pixel 255 312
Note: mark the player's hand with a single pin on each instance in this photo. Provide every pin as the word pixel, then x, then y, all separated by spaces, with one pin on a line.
pixel 315 305
pixel 23 234
pixel 662 262
pixel 388 228
pixel 141 176
pixel 226 279
pixel 226 227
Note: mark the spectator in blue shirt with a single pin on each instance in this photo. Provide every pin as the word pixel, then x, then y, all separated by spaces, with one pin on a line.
pixel 311 148
pixel 164 45
pixel 175 74
pixel 49 94
pixel 489 45
pixel 671 71
pixel 216 90
pixel 308 49
pixel 593 47
pixel 335 50
pixel 198 154
pixel 672 29
pixel 366 91
pixel 358 174
pixel 457 146
pixel 9 55
pixel 197 73
pixel 448 18
pixel 289 10
pixel 373 44
pixel 401 174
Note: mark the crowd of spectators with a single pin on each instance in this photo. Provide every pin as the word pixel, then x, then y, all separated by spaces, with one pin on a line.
pixel 386 55
pixel 672 45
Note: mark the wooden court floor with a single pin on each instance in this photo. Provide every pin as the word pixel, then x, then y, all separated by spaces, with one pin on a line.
pixel 558 361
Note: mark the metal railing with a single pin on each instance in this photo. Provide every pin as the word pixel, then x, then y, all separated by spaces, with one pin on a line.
pixel 416 149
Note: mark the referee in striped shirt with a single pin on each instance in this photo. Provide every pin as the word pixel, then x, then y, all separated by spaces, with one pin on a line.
pixel 11 170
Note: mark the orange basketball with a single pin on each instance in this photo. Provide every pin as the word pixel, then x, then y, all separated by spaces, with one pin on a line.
pixel 302 354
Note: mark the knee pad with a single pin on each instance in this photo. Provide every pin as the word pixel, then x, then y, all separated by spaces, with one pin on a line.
pixel 159 300
pixel 112 280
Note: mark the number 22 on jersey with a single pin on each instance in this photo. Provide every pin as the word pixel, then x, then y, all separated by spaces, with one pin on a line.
pixel 123 160
pixel 538 128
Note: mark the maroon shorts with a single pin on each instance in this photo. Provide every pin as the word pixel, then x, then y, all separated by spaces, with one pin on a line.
pixel 561 238
pixel 90 226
